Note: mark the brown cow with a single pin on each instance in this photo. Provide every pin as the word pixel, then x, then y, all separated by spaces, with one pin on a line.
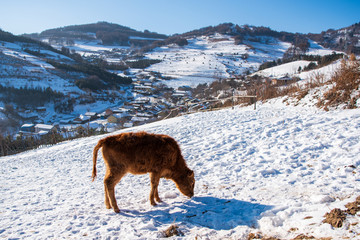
pixel 140 153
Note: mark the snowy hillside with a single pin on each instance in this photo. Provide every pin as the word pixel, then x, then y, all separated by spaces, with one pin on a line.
pixel 291 70
pixel 287 69
pixel 275 172
pixel 208 58
pixel 19 68
pixel 27 65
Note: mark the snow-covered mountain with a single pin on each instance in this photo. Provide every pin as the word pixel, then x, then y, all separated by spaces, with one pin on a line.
pixel 271 172
pixel 208 58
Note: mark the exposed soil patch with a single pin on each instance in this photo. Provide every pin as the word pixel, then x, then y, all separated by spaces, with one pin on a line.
pixel 336 217
pixel 303 237
pixel 173 230
pixel 253 236
pixel 353 207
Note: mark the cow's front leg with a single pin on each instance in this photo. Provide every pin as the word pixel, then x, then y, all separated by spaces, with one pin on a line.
pixel 154 180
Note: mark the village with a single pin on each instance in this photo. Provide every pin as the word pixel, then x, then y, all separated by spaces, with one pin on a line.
pixel 147 104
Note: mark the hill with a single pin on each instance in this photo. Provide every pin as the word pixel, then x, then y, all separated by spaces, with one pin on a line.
pixel 345 39
pixel 34 74
pixel 106 33
pixel 274 172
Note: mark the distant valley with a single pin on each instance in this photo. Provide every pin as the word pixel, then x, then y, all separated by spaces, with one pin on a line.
pixel 142 76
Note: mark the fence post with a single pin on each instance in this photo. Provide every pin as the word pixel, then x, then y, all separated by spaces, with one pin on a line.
pixel 255 100
pixel 233 98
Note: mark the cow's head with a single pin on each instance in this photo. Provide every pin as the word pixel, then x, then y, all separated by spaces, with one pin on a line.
pixel 186 183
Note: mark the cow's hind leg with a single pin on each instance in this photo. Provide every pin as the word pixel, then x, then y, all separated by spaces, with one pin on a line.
pixel 154 179
pixel 110 181
pixel 157 198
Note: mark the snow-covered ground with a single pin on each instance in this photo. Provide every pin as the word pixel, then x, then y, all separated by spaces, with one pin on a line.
pixel 290 69
pixel 322 74
pixel 287 69
pixel 89 48
pixel 275 170
pixel 21 69
pixel 316 49
pixel 209 58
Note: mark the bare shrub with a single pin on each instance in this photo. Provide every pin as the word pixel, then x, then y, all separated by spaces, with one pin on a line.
pixel 316 80
pixel 267 91
pixel 345 82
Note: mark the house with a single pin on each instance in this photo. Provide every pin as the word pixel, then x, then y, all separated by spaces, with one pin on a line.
pixel 38 129
pixel 27 128
pixel 281 81
pixel 139 120
pixel 65 121
pixel 141 100
pixel 92 115
pixel 144 114
pixel 143 89
pixel 180 94
pixel 81 119
pixel 108 112
pixel 112 119
pixel 116 118
pixel 43 129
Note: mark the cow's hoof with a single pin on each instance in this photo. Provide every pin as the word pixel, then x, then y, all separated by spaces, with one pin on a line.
pixel 117 210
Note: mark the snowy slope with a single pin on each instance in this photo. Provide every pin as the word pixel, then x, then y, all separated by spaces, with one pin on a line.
pixel 289 69
pixel 18 68
pixel 276 170
pixel 316 49
pixel 208 58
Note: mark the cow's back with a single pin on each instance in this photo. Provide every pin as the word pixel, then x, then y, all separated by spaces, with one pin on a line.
pixel 141 152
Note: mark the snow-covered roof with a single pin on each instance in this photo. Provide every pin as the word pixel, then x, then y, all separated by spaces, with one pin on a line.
pixel 44 126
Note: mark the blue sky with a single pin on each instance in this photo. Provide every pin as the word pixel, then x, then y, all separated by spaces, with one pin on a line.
pixel 179 16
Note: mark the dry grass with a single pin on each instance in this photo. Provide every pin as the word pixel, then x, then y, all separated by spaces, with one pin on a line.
pixel 173 230
pixel 346 86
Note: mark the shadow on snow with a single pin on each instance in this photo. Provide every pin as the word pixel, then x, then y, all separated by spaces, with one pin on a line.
pixel 211 212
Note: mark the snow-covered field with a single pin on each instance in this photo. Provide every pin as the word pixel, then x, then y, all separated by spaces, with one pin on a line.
pixel 206 59
pixel 290 69
pixel 316 49
pixel 275 170
pixel 21 69
pixel 287 69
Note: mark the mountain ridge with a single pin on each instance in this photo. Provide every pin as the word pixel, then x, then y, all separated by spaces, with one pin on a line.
pixel 345 39
pixel 108 33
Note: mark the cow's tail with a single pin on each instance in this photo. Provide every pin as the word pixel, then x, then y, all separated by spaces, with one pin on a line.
pixel 96 149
